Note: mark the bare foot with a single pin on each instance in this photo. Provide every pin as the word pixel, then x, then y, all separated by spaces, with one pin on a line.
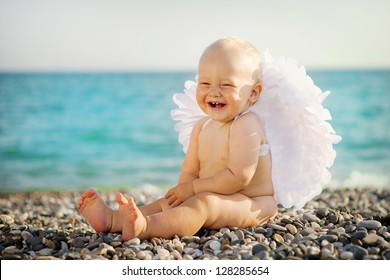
pixel 134 223
pixel 95 211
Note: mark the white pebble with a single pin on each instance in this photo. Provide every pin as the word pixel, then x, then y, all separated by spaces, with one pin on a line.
pixel 215 245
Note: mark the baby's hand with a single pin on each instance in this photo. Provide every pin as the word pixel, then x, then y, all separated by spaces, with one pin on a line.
pixel 177 195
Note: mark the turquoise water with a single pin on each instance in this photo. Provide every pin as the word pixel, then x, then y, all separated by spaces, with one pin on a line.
pixel 77 130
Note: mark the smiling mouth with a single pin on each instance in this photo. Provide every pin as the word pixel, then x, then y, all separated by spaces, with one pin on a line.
pixel 216 105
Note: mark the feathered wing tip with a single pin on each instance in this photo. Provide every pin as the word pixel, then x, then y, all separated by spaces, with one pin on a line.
pixel 187 114
pixel 295 124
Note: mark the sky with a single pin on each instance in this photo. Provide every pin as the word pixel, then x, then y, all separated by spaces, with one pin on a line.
pixel 170 35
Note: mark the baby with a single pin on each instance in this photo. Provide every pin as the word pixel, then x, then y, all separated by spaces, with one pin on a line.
pixel 226 175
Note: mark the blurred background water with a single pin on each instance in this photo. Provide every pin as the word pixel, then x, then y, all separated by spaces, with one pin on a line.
pixel 71 131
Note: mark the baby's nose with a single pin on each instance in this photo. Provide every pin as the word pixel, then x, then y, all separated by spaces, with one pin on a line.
pixel 215 91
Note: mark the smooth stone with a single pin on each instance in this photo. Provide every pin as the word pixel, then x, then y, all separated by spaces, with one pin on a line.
pixel 240 234
pixel 64 247
pixel 277 227
pixel 260 230
pixel 311 217
pixel 359 234
pixel 326 254
pixel 338 230
pixel 163 253
pixel 10 250
pixel 26 235
pixel 373 250
pixel 224 230
pixel 333 218
pixel 350 228
pixel 215 245
pixel 307 231
pixel 369 224
pixel 313 251
pixel 288 237
pixel 292 229
pixel 77 243
pixel 134 241
pixel 45 252
pixel 197 253
pixel 372 239
pixel 386 254
pixel 358 252
pixel 179 247
pixel 176 255
pixel 190 239
pixel 322 212
pixel 311 237
pixel 315 225
pixel 329 237
pixel 278 238
pixel 102 249
pixel 346 255
pixel 263 255
pixel 258 248
pixel 233 237
pixel 35 241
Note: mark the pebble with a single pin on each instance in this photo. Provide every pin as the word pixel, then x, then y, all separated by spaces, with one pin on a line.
pixel 163 254
pixel 346 255
pixel 277 227
pixel 359 234
pixel 372 239
pixel 371 224
pixel 292 229
pixel 50 228
pixel 278 238
pixel 311 217
pixel 358 252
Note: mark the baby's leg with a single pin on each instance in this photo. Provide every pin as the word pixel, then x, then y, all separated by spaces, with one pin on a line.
pixel 202 210
pixel 104 219
pixel 238 210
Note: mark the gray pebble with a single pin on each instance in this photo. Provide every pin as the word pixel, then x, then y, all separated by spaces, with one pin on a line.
pixel 277 227
pixel 358 252
pixel 258 248
pixel 311 217
pixel 346 255
pixel 370 224
pixel 359 234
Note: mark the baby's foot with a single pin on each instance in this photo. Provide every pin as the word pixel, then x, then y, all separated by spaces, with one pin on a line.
pixel 95 211
pixel 134 223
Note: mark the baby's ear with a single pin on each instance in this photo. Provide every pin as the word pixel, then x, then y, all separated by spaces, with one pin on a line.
pixel 255 94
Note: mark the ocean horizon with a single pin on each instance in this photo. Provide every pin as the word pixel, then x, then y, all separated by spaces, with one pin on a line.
pixel 70 131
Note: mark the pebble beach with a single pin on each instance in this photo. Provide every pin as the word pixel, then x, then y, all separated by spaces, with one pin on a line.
pixel 339 224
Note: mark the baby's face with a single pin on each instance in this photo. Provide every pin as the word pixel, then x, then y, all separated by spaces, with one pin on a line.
pixel 226 86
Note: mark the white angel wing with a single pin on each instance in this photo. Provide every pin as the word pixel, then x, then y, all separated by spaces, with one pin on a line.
pixel 295 124
pixel 187 114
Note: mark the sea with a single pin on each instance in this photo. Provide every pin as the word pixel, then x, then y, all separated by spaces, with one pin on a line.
pixel 71 131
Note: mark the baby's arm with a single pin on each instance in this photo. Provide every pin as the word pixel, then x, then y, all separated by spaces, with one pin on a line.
pixel 244 145
pixel 189 172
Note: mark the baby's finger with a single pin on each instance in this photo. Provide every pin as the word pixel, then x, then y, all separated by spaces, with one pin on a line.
pixel 171 199
pixel 175 203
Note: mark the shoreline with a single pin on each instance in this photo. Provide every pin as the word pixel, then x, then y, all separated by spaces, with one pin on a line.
pixel 350 223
